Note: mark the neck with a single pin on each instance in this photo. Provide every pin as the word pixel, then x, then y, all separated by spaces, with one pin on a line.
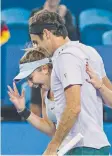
pixel 60 42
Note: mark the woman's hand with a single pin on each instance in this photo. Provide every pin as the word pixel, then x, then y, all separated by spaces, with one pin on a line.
pixel 94 79
pixel 15 98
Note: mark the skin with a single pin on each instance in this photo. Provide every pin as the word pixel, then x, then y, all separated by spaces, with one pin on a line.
pixel 40 77
pixel 50 42
pixel 36 109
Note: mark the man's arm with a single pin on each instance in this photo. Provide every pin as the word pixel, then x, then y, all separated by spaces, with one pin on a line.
pixel 70 75
pixel 70 114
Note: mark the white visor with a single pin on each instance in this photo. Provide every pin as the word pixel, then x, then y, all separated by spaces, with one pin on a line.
pixel 27 68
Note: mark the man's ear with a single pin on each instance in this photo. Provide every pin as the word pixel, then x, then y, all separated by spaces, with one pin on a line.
pixel 46 33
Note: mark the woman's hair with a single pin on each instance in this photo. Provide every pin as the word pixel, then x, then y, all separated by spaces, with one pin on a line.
pixel 34 54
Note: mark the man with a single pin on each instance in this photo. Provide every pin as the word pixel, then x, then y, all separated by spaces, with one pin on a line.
pixel 78 105
pixel 64 12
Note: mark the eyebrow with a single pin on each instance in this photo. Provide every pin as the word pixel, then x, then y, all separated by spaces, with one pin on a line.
pixel 35 42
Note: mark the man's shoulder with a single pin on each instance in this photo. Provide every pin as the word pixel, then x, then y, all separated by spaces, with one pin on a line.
pixel 94 53
pixel 75 50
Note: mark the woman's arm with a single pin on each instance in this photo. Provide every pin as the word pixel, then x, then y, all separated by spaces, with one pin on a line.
pixel 98 84
pixel 42 124
pixel 106 95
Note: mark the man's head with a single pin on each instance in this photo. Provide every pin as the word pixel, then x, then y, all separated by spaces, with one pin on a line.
pixel 47 29
pixel 36 68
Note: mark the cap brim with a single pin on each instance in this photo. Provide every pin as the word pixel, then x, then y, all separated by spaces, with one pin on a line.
pixel 23 75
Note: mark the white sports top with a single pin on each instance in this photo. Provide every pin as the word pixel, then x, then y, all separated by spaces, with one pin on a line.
pixel 50 109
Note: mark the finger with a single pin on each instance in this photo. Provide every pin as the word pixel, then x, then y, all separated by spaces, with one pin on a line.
pixel 86 63
pixel 12 100
pixel 90 74
pixel 90 69
pixel 10 89
pixel 89 81
pixel 15 88
pixel 11 95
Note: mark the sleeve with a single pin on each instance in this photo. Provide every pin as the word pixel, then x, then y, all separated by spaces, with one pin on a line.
pixel 36 96
pixel 70 70
pixel 100 61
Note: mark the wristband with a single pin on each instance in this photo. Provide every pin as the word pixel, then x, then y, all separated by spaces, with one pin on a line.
pixel 25 113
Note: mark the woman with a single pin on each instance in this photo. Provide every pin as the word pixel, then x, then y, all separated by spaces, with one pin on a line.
pixel 37 71
pixel 98 84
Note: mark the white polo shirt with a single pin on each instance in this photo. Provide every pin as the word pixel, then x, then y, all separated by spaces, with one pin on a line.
pixel 69 68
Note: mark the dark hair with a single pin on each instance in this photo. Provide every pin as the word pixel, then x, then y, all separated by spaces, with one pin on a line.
pixel 46 17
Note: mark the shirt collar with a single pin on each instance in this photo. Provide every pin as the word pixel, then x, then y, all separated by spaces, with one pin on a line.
pixel 56 53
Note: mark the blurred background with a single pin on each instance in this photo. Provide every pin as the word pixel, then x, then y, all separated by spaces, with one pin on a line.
pixel 87 21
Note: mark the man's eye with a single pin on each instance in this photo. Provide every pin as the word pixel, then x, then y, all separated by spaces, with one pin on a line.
pixel 35 44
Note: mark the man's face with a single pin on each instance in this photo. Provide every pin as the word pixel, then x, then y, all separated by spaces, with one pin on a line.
pixel 46 42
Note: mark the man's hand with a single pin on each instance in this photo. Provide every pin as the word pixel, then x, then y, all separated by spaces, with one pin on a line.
pixel 52 148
